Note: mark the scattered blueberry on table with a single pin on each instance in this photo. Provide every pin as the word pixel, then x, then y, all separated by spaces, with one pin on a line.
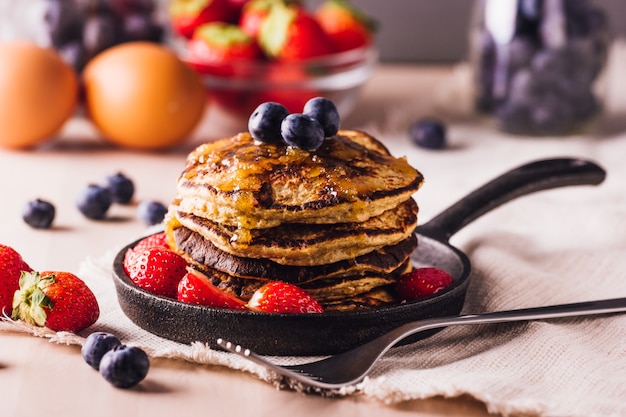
pixel 124 366
pixel 121 187
pixel 39 214
pixel 428 133
pixel 96 345
pixel 151 212
pixel 94 201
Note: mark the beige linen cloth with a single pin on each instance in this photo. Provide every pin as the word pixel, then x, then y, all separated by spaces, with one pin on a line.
pixel 557 246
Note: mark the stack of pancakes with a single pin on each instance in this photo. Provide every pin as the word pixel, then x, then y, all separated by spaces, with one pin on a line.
pixel 338 221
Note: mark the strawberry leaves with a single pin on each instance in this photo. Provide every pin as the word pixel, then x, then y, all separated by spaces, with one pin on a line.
pixel 58 300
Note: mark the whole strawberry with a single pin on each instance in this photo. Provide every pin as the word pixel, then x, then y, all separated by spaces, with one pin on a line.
pixel 187 15
pixel 254 13
pixel 157 270
pixel 282 297
pixel 11 267
pixel 214 46
pixel 58 300
pixel 422 282
pixel 195 288
pixel 347 26
pixel 291 33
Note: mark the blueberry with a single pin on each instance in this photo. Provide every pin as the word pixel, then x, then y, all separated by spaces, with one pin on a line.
pixel 428 133
pixel 38 214
pixel 325 112
pixel 94 201
pixel 151 212
pixel 264 123
pixel 302 131
pixel 62 22
pixel 140 27
pixel 121 187
pixel 74 54
pixel 100 32
pixel 96 345
pixel 124 366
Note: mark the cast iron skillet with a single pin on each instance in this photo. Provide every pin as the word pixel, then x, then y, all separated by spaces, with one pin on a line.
pixel 334 332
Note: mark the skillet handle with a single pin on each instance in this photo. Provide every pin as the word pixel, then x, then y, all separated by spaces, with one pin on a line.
pixel 535 176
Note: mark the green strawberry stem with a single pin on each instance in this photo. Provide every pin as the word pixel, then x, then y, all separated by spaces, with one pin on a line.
pixel 273 32
pixel 29 301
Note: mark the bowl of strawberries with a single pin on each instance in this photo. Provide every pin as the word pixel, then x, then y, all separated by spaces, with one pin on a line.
pixel 255 51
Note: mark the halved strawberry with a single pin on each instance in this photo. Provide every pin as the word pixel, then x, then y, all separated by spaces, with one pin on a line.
pixel 422 282
pixel 196 288
pixel 187 15
pixel 56 299
pixel 289 32
pixel 11 267
pixel 282 297
pixel 156 270
pixel 347 26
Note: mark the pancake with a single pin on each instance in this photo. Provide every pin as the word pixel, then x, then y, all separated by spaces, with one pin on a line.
pixel 201 252
pixel 338 221
pixel 327 291
pixel 309 244
pixel 241 183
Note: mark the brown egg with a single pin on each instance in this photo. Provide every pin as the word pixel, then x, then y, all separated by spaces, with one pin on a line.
pixel 38 93
pixel 141 95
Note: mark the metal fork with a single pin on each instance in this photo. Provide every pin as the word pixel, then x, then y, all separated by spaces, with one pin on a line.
pixel 351 367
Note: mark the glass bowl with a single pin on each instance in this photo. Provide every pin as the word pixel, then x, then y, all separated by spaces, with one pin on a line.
pixel 239 86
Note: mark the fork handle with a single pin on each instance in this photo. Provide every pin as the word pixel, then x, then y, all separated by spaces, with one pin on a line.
pixel 614 305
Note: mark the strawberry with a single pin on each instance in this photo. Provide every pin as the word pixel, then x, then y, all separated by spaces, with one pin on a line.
pixel 290 33
pixel 254 13
pixel 156 270
pixel 58 300
pixel 422 282
pixel 216 46
pixel 347 26
pixel 187 15
pixel 196 288
pixel 11 267
pixel 282 297
pixel 157 240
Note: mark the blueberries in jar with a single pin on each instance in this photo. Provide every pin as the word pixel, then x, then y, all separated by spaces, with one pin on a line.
pixel 428 133
pixel 265 121
pixel 74 54
pixel 39 214
pixel 325 112
pixel 302 131
pixel 62 22
pixel 140 27
pixel 124 366
pixel 551 64
pixel 99 33
pixel 94 201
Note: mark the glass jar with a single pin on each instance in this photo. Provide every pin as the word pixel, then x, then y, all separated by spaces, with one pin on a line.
pixel 538 64
pixel 80 29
